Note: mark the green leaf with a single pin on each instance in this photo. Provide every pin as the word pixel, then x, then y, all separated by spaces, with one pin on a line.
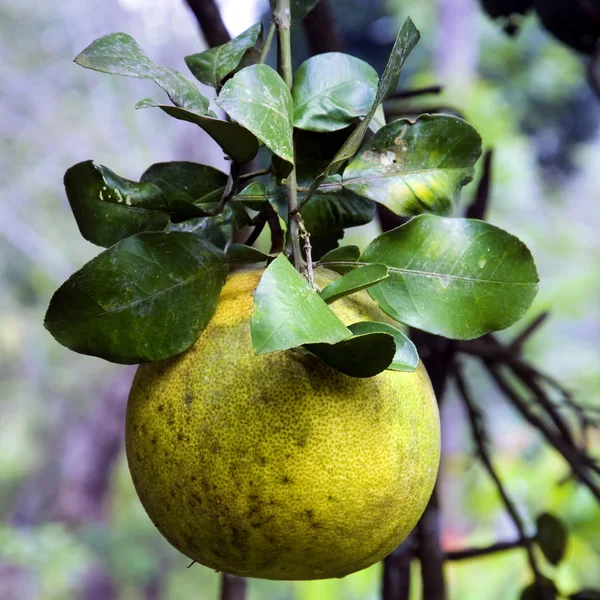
pixel 586 594
pixel 258 99
pixel 289 313
pixel 354 281
pixel 237 142
pixel 343 254
pixel 108 208
pixel 183 181
pixel 459 278
pixel 119 54
pixel 548 591
pixel 416 167
pixel 365 354
pixel 217 230
pixel 146 298
pixel 254 196
pixel 239 254
pixel 406 357
pixel 551 537
pixel 299 8
pixel 212 66
pixel 407 39
pixel 331 90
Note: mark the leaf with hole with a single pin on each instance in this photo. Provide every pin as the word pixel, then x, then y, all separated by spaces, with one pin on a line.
pixel 238 143
pixel 417 167
pixel 258 99
pixel 407 39
pixel 353 281
pixel 365 354
pixel 331 91
pixel 551 537
pixel 146 298
pixel 212 66
pixel 289 313
pixel 459 278
pixel 119 54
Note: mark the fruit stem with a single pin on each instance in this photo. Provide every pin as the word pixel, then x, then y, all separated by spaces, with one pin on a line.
pixel 282 16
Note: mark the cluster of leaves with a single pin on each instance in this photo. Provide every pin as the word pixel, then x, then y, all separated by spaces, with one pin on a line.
pixel 149 295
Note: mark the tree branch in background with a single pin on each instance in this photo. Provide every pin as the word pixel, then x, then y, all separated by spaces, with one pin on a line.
pixel 403 94
pixel 476 421
pixel 487 550
pixel 232 587
pixel 395 584
pixel 209 19
pixel 478 208
pixel 322 30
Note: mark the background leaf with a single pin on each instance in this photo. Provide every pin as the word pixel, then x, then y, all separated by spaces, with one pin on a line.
pixel 459 278
pixel 237 142
pixel 243 255
pixel 416 167
pixel 289 313
pixel 586 594
pixel 183 181
pixel 551 537
pixel 331 90
pixel 365 354
pixel 119 54
pixel 353 281
pixel 259 100
pixel 146 298
pixel 406 357
pixel 108 208
pixel 212 66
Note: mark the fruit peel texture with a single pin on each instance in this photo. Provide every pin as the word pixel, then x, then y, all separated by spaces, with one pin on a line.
pixel 277 466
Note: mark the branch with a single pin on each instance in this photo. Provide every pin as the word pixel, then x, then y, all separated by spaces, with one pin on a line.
pixel 487 550
pixel 395 584
pixel 478 207
pixel 403 94
pixel 477 429
pixel 322 31
pixel 209 19
pixel 430 551
pixel 232 587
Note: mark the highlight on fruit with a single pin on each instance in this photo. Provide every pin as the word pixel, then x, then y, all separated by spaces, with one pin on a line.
pixel 281 424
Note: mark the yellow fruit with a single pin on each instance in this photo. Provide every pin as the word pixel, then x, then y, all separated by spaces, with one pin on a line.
pixel 277 466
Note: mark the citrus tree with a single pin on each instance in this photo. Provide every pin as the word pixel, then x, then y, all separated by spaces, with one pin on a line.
pixel 281 424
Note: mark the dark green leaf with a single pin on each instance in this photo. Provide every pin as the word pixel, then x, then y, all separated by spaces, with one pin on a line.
pixel 331 90
pixel 343 254
pixel 254 196
pixel 406 357
pixel 406 40
pixel 119 54
pixel 299 8
pixel 322 244
pixel 551 537
pixel 586 594
pixel 459 278
pixel 236 141
pixel 365 354
pixel 416 167
pixel 289 313
pixel 258 99
pixel 108 208
pixel 183 181
pixel 212 66
pixel 354 281
pixel 217 230
pixel 240 254
pixel 146 298
pixel 546 591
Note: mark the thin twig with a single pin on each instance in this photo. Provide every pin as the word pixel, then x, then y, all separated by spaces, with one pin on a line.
pixel 487 550
pixel 477 429
pixel 307 249
pixel 264 54
pixel 403 94
pixel 520 339
pixel 259 223
pixel 478 207
pixel 252 174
